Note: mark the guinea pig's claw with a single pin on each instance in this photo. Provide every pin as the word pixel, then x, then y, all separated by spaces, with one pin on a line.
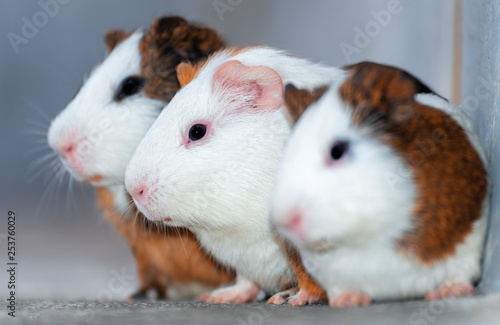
pixel 281 297
pixel 454 290
pixel 350 299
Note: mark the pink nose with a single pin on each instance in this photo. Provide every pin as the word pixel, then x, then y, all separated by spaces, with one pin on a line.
pixel 67 150
pixel 294 224
pixel 140 193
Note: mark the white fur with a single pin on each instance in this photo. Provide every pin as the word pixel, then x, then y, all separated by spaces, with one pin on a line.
pixel 220 188
pixel 351 212
pixel 106 132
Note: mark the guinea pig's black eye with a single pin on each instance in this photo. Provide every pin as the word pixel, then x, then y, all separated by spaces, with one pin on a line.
pixel 197 132
pixel 339 149
pixel 128 87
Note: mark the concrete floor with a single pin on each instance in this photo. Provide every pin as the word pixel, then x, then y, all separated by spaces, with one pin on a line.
pixel 59 284
pixel 476 310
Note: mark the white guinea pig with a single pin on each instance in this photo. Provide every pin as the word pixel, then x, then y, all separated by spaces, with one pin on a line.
pixel 100 128
pixel 209 160
pixel 384 193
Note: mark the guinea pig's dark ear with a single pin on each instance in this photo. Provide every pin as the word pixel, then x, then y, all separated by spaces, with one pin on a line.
pixel 190 41
pixel 113 37
pixel 380 93
pixel 297 100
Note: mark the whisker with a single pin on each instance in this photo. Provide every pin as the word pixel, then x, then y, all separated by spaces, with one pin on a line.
pixel 45 193
pixel 34 150
pixel 41 141
pixel 33 132
pixel 182 242
pixel 49 167
pixel 43 170
pixel 37 162
pixel 60 180
pixel 71 186
pixel 127 211
pixel 36 108
pixel 51 197
pixel 39 124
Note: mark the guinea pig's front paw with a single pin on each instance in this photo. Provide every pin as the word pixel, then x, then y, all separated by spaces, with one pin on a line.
pixel 306 297
pixel 236 294
pixel 296 297
pixel 454 290
pixel 350 299
pixel 281 297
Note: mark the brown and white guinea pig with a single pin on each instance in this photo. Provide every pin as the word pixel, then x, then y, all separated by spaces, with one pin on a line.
pixel 384 193
pixel 208 162
pixel 98 132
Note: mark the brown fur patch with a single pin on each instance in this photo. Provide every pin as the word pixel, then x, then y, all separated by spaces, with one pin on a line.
pixel 304 280
pixel 450 178
pixel 113 37
pixel 163 254
pixel 170 41
pixel 297 100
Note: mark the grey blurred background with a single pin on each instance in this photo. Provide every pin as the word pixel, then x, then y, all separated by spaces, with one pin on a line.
pixel 65 248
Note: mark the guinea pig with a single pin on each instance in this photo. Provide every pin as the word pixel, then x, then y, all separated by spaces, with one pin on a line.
pixel 384 192
pixel 98 131
pixel 208 161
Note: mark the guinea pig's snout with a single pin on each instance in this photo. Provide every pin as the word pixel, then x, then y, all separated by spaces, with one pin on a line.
pixel 140 192
pixel 292 221
pixel 68 147
pixel 67 150
pixel 143 192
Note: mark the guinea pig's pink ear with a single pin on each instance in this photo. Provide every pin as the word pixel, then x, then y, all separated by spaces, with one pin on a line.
pixel 298 100
pixel 113 37
pixel 248 88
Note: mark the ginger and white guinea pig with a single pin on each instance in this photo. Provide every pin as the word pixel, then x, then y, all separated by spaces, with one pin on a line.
pixel 384 193
pixel 208 162
pixel 98 132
